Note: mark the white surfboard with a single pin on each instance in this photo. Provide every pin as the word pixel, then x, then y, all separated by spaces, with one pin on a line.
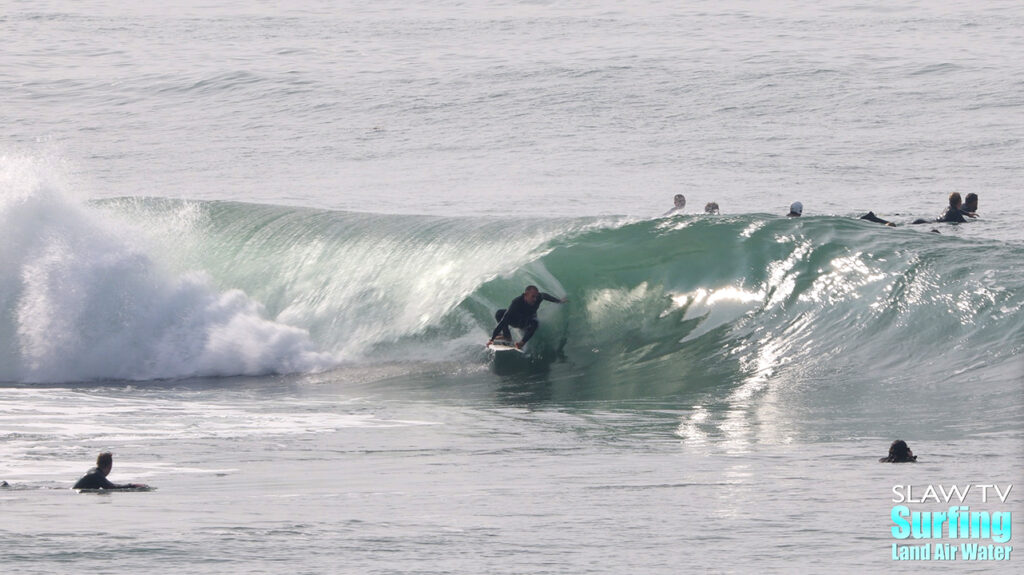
pixel 503 345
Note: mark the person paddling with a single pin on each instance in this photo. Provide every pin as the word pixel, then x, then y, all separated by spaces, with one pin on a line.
pixel 96 478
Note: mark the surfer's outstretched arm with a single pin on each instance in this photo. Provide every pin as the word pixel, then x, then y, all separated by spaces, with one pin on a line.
pixel 551 298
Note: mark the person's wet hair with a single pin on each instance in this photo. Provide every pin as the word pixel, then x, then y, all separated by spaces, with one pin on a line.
pixel 899 452
pixel 971 202
pixel 105 459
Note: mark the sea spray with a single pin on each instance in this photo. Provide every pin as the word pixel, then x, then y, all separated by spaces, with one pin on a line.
pixel 84 300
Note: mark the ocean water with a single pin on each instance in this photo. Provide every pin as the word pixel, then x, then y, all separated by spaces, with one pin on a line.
pixel 255 251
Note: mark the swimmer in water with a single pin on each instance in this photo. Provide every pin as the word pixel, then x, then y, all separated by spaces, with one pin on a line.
pixel 899 452
pixel 679 202
pixel 951 214
pixel 796 209
pixel 970 206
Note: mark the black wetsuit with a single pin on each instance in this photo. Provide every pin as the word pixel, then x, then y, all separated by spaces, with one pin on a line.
pixel 871 217
pixel 520 315
pixel 96 480
pixel 951 215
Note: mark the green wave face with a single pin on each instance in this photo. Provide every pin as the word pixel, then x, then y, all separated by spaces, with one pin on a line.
pixel 656 307
pixel 701 298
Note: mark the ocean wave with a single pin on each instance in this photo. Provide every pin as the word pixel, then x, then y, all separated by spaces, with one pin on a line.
pixel 146 288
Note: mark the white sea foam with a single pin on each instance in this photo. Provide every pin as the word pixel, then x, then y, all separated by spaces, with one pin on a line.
pixel 84 299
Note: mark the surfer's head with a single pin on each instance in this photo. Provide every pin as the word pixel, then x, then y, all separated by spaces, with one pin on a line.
pixel 899 452
pixel 530 294
pixel 711 208
pixel 680 201
pixel 971 202
pixel 955 201
pixel 796 209
pixel 105 462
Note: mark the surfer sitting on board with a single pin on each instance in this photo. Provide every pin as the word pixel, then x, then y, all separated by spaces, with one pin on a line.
pixel 96 478
pixel 521 314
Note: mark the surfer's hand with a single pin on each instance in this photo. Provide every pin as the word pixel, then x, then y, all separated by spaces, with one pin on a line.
pixel 490 341
pixel 564 300
pixel 519 345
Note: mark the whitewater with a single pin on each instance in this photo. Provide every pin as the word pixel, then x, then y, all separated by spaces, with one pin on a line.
pixel 256 253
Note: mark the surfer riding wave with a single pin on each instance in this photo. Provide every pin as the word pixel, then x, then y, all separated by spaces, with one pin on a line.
pixel 521 314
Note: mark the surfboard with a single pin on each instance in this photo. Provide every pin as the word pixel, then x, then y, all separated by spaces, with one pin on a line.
pixel 503 345
pixel 137 488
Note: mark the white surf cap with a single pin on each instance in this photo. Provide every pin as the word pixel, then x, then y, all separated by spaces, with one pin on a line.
pixel 796 208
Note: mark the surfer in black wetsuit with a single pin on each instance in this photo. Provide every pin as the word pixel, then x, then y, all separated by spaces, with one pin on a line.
pixel 96 478
pixel 521 314
pixel 952 213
